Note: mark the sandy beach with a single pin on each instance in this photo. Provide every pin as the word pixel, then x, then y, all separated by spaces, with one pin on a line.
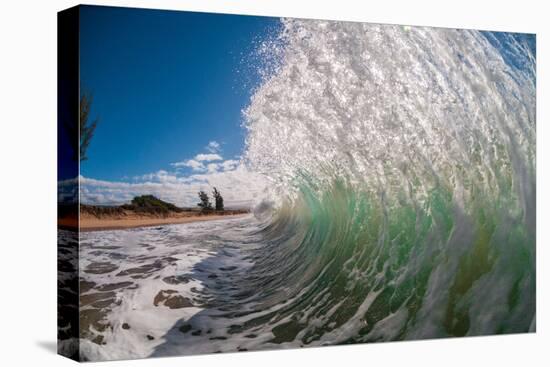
pixel 90 223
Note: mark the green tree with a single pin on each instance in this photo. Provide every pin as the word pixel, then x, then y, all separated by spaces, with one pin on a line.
pixel 218 199
pixel 87 127
pixel 205 203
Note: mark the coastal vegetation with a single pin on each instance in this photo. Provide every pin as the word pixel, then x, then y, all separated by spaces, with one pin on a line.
pixel 205 203
pixel 218 199
pixel 87 126
pixel 151 206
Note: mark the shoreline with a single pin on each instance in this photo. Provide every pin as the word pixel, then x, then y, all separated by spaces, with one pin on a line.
pixel 93 224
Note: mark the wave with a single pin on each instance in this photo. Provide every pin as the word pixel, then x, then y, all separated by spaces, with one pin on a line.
pixel 401 206
pixel 402 162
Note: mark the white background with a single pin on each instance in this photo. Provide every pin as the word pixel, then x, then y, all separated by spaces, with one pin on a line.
pixel 28 181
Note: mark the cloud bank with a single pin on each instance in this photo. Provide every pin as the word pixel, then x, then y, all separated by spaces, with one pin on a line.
pixel 239 186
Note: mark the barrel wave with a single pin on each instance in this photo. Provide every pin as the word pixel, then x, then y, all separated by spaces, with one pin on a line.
pixel 402 163
pixel 400 205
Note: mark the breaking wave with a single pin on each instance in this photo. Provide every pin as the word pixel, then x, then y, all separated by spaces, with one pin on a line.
pixel 402 163
pixel 401 205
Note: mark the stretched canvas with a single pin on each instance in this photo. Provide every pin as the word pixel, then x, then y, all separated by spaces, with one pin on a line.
pixel 233 183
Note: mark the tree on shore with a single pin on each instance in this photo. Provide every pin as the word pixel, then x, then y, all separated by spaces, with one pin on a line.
pixel 80 132
pixel 205 203
pixel 87 127
pixel 218 199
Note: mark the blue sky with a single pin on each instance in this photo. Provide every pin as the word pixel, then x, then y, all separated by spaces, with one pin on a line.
pixel 168 88
pixel 165 84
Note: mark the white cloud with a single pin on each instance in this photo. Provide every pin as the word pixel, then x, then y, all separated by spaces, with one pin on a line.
pixel 229 164
pixel 159 175
pixel 212 167
pixel 213 146
pixel 196 164
pixel 191 163
pixel 239 187
pixel 208 157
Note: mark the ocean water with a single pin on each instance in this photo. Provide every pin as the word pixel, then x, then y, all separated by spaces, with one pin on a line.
pixel 401 206
pixel 139 287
